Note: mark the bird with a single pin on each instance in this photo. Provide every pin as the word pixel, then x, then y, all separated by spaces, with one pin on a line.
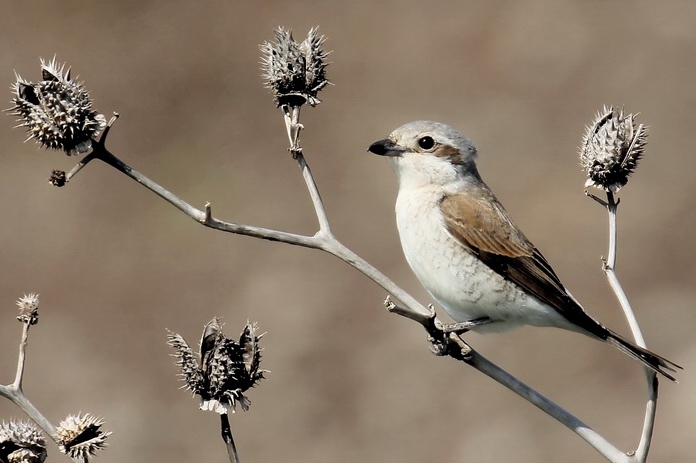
pixel 467 252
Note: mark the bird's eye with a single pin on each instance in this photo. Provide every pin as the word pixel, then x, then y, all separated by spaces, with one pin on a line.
pixel 426 142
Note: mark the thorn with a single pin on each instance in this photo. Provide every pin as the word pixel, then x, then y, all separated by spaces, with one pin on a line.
pixel 102 139
pixel 208 212
pixel 599 200
pixel 113 119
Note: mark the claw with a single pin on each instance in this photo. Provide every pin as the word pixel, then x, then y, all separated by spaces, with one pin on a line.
pixel 437 347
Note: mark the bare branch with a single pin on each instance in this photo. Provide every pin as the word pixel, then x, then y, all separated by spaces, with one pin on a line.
pixel 21 358
pixel 14 392
pixel 448 343
pixel 18 398
pixel 452 345
pixel 611 205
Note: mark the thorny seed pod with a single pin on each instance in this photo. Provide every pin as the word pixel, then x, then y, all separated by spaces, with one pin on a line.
pixel 611 149
pixel 80 436
pixel 295 72
pixel 28 309
pixel 21 442
pixel 226 369
pixel 56 111
pixel 58 178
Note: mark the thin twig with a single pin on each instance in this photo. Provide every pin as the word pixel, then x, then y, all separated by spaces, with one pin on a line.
pixel 21 357
pixel 291 115
pixel 18 398
pixel 454 347
pixel 641 453
pixel 15 394
pixel 451 344
pixel 610 270
pixel 226 432
pixel 589 435
pixel 314 194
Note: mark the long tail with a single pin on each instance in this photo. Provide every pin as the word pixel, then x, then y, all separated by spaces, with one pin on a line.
pixel 650 359
pixel 581 321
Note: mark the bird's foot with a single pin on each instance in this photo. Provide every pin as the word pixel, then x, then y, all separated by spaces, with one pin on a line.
pixel 438 346
pixel 441 345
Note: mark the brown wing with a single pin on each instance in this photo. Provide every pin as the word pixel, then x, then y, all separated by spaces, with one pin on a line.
pixel 481 223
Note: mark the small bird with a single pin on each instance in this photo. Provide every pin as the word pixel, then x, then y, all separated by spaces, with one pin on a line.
pixel 468 253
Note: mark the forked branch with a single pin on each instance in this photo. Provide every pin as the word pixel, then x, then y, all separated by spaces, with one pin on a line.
pixel 445 342
pixel 295 72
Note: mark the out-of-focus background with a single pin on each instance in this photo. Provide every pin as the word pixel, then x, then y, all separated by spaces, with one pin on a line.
pixel 115 265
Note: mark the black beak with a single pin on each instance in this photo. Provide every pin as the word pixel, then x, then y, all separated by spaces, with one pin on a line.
pixel 385 147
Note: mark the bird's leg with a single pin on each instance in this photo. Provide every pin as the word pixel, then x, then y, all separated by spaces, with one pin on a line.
pixel 463 327
pixel 442 342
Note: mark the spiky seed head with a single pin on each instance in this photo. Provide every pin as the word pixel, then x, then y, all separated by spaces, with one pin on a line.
pixel 21 442
pixel 58 178
pixel 80 436
pixel 611 149
pixel 219 368
pixel 295 72
pixel 226 370
pixel 56 111
pixel 28 309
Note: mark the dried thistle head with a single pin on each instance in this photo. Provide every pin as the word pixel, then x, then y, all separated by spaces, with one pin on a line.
pixel 58 178
pixel 21 442
pixel 28 309
pixel 295 72
pixel 56 111
pixel 226 369
pixel 611 149
pixel 80 436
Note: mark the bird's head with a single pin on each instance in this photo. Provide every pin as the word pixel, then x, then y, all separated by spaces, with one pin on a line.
pixel 428 153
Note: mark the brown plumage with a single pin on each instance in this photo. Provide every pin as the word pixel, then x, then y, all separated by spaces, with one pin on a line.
pixel 489 233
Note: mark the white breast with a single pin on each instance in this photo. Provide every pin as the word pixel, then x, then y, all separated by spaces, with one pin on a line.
pixel 465 287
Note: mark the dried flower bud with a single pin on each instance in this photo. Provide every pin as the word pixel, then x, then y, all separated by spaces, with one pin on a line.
pixel 80 436
pixel 226 370
pixel 611 149
pixel 21 442
pixel 57 111
pixel 58 178
pixel 295 72
pixel 28 309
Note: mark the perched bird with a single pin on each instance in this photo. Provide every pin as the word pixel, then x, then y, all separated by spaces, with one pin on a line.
pixel 468 253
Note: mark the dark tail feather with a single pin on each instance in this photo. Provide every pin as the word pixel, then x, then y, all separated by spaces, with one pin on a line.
pixel 653 361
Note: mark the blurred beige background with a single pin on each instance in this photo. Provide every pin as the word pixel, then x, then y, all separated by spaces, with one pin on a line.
pixel 115 265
